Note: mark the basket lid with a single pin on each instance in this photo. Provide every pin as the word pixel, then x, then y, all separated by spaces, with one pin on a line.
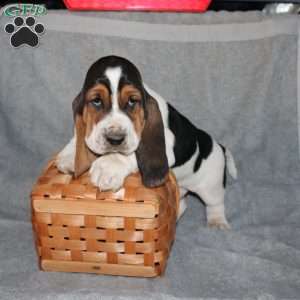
pixel 55 192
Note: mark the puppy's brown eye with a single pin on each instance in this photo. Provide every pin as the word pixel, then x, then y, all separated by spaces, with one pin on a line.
pixel 97 103
pixel 132 102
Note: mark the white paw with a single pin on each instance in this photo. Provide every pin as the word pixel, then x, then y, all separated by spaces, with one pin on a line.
pixel 218 223
pixel 65 162
pixel 107 173
pixel 216 216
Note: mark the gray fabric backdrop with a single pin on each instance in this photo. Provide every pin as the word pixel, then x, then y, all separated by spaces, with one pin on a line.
pixel 234 75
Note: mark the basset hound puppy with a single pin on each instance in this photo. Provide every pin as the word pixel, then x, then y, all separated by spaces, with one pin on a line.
pixel 122 126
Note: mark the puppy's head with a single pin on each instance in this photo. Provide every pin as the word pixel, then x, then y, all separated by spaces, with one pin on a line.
pixel 114 113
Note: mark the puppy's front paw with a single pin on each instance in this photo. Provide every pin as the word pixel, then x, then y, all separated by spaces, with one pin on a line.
pixel 65 163
pixel 107 173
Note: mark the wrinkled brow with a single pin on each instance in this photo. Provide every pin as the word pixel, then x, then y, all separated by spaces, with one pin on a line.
pixel 124 81
pixel 104 80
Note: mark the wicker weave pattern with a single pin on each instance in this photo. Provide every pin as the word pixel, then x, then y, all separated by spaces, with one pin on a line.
pixel 80 229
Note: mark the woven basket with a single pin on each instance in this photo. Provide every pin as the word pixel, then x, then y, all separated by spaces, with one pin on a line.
pixel 80 229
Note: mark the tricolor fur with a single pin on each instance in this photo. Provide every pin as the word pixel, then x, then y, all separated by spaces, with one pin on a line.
pixel 122 126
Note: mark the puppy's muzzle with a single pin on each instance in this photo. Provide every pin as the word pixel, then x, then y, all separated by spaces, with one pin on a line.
pixel 115 138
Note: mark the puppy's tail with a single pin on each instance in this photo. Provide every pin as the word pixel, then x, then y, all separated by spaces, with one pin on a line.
pixel 230 164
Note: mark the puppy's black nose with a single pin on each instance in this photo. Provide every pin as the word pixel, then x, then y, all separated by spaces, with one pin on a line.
pixel 115 139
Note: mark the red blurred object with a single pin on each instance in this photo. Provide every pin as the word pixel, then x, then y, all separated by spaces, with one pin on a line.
pixel 142 5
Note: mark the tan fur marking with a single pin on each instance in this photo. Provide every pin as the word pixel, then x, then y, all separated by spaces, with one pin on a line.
pixel 126 92
pixel 137 114
pixel 83 157
pixel 98 90
pixel 90 114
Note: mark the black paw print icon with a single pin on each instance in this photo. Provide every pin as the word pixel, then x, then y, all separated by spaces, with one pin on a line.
pixel 24 33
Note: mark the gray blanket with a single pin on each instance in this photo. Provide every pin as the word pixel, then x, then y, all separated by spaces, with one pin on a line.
pixel 234 75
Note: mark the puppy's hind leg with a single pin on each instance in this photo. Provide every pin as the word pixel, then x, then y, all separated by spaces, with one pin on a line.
pixel 215 209
pixel 209 184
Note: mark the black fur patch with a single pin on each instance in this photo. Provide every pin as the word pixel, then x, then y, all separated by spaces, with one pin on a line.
pixel 187 137
pixel 205 144
pixel 224 176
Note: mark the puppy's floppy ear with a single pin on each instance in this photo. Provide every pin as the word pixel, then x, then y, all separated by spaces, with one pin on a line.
pixel 151 152
pixel 83 156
